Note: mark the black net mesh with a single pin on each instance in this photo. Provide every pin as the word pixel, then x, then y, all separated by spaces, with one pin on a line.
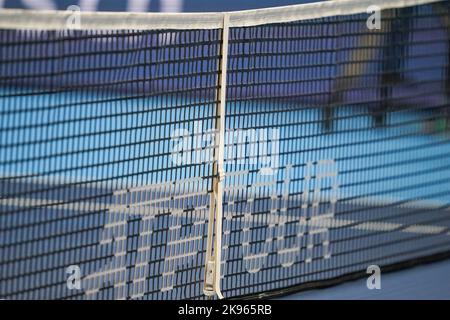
pixel 90 175
pixel 338 148
pixel 337 154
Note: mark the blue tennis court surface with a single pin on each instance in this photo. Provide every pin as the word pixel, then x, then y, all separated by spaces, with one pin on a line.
pixel 424 282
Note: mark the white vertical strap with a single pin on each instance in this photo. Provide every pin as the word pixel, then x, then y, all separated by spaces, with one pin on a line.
pixel 214 248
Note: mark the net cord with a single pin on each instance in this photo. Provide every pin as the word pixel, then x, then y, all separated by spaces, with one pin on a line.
pixel 58 20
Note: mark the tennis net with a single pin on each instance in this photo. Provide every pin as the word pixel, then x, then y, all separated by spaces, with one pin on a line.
pixel 175 156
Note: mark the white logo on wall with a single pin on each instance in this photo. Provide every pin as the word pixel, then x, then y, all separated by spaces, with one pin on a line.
pixel 40 4
pixel 374 281
pixel 374 20
pixel 256 148
pixel 74 279
pixel 138 5
pixel 318 206
pixel 171 5
pixel 137 218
